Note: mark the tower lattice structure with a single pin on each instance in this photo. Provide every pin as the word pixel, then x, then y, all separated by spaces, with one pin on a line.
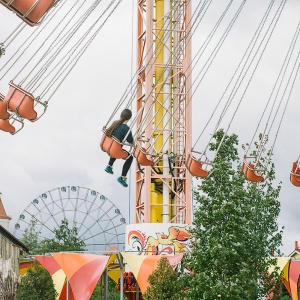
pixel 163 193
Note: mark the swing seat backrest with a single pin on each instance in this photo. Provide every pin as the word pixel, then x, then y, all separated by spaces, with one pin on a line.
pixel 30 11
pixel 7 127
pixel 295 174
pixel 250 172
pixel 21 102
pixel 140 155
pixel 3 111
pixel 129 278
pixel 113 147
pixel 195 167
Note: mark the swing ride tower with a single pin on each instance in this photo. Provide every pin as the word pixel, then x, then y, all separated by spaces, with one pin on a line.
pixel 163 191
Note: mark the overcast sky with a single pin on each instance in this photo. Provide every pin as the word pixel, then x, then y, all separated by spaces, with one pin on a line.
pixel 62 148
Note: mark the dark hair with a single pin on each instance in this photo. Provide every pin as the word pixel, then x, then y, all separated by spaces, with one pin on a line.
pixel 125 115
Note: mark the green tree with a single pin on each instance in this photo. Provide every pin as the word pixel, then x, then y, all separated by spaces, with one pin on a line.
pixel 236 231
pixel 98 293
pixel 37 284
pixel 31 238
pixel 164 283
pixel 66 239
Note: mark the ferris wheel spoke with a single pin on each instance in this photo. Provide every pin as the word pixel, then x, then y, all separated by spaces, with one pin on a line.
pixel 39 222
pixel 93 238
pixel 102 215
pixel 94 216
pixel 44 196
pixel 108 230
pixel 61 202
pixel 57 203
pixel 87 209
pixel 76 204
pixel 112 236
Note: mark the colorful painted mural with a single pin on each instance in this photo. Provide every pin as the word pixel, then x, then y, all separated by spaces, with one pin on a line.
pixel 173 239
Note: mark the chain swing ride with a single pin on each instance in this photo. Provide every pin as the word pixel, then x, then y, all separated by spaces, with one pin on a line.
pixel 161 91
pixel 50 61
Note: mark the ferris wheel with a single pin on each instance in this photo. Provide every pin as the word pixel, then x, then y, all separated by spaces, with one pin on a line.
pixel 99 222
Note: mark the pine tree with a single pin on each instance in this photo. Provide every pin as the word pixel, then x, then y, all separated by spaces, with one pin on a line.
pixel 164 283
pixel 236 231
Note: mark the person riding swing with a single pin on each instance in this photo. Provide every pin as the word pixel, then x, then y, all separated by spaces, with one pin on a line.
pixel 119 129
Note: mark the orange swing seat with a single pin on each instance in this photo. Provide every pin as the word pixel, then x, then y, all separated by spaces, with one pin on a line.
pixel 195 167
pixel 113 147
pixel 22 103
pixel 7 125
pixel 4 114
pixel 30 11
pixel 295 174
pixel 141 156
pixel 250 172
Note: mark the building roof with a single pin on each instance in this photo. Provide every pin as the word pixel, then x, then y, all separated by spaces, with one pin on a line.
pixel 13 239
pixel 3 214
